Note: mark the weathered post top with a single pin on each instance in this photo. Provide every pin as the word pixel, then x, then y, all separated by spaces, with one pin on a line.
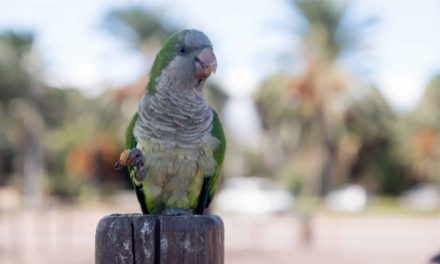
pixel 157 239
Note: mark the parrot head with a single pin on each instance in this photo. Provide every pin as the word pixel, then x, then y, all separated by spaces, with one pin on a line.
pixel 187 58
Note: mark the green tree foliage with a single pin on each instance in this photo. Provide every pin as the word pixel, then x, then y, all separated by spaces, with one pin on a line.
pixel 324 124
pixel 58 134
pixel 83 142
pixel 141 28
pixel 14 55
pixel 15 82
pixel 419 135
pixel 330 30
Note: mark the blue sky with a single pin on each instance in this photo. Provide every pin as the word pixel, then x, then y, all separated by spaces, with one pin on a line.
pixel 401 50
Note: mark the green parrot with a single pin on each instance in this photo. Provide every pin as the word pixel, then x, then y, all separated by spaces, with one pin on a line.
pixel 175 142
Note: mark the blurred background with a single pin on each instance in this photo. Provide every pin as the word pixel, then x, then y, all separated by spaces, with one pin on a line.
pixel 330 109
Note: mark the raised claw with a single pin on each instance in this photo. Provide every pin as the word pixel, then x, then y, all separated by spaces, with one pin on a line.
pixel 122 162
pixel 135 160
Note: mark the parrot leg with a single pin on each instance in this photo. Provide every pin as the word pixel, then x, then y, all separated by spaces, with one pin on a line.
pixel 135 161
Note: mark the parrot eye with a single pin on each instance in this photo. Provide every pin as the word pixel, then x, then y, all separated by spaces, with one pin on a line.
pixel 182 50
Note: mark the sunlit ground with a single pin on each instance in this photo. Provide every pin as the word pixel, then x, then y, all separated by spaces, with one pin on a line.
pixel 63 234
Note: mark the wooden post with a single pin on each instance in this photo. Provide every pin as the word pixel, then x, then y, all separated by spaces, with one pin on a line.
pixel 136 238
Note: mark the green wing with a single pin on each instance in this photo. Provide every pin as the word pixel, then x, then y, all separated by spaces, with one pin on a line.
pixel 130 142
pixel 210 182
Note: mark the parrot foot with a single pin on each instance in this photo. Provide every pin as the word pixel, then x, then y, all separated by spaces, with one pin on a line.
pixel 176 212
pixel 134 159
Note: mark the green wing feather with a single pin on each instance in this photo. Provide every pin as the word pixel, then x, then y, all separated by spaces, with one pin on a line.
pixel 210 183
pixel 131 142
pixel 165 56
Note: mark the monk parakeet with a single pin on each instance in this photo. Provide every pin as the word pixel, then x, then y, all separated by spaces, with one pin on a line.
pixel 175 141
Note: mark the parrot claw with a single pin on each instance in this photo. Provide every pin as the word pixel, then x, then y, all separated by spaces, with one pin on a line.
pixel 134 159
pixel 118 165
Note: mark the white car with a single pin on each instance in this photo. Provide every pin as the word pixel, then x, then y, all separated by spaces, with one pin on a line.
pixel 423 197
pixel 253 195
pixel 351 198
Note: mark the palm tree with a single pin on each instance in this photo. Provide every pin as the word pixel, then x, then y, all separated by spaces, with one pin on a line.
pixel 420 134
pixel 144 30
pixel 15 80
pixel 19 96
pixel 328 31
pixel 328 35
pixel 311 106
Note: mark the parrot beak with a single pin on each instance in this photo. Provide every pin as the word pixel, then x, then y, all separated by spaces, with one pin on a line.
pixel 205 64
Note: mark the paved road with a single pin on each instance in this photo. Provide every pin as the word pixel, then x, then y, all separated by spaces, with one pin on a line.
pixel 66 235
pixel 351 240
